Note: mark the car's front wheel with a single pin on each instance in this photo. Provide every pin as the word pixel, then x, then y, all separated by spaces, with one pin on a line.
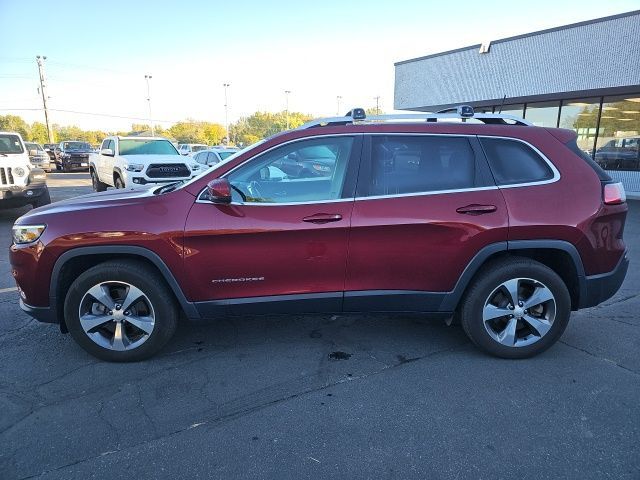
pixel 117 182
pixel 121 311
pixel 516 308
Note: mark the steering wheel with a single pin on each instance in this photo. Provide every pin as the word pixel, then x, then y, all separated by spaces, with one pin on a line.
pixel 254 190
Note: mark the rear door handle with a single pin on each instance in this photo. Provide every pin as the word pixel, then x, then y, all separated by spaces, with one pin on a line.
pixel 323 218
pixel 475 209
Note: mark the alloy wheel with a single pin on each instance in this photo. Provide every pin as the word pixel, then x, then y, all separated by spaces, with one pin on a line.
pixel 116 315
pixel 519 312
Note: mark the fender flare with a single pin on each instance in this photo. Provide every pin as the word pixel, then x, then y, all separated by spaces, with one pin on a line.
pixel 188 307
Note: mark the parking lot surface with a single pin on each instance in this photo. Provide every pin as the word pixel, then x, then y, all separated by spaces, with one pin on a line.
pixel 371 396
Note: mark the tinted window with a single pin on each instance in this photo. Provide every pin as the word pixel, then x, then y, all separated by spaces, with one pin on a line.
pixel 514 162
pixel 412 164
pixel 212 158
pixel 306 171
pixel 10 144
pixel 136 146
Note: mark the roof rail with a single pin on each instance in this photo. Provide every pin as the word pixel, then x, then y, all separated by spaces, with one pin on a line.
pixel 463 113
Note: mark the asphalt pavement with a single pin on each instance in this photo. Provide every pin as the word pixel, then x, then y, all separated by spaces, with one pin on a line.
pixel 321 396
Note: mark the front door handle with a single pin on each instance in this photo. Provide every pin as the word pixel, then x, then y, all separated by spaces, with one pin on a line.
pixel 323 218
pixel 475 209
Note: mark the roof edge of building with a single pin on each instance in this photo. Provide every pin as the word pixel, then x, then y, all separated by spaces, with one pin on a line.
pixel 524 35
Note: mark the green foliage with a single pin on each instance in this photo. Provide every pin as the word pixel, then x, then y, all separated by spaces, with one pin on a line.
pixel 260 125
pixel 14 123
pixel 38 133
pixel 191 131
pixel 374 111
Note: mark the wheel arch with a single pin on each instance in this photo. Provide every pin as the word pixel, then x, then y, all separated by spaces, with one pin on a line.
pixel 77 260
pixel 561 256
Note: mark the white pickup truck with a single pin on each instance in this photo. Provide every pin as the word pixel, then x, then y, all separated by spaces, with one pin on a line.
pixel 125 162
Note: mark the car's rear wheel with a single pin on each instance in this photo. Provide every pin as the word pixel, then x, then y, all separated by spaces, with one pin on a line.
pixel 98 186
pixel 516 308
pixel 121 311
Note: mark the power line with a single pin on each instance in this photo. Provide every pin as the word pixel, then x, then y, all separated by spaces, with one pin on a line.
pixel 90 113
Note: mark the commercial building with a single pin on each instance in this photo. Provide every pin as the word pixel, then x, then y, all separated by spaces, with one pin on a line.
pixel 584 76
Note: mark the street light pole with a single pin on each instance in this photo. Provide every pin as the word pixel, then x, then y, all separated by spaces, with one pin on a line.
pixel 40 61
pixel 226 110
pixel 153 130
pixel 338 98
pixel 377 104
pixel 286 94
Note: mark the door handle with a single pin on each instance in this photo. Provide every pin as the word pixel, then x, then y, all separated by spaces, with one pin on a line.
pixel 475 209
pixel 323 218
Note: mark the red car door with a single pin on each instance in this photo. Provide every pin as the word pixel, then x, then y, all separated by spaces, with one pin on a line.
pixel 425 205
pixel 281 245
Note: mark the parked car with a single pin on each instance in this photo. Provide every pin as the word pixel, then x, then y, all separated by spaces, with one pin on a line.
pixel 38 157
pixel 620 154
pixel 213 156
pixel 505 227
pixel 125 162
pixel 190 148
pixel 50 148
pixel 73 155
pixel 20 182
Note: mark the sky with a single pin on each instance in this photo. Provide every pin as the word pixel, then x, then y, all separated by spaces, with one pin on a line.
pixel 98 53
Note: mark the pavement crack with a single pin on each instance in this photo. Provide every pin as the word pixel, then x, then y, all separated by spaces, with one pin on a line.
pixel 613 362
pixel 242 406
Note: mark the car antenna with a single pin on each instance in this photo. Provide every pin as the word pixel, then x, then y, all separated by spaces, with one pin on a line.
pixel 502 103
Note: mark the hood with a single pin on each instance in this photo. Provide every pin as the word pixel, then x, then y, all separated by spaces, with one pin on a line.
pixel 110 198
pixel 148 159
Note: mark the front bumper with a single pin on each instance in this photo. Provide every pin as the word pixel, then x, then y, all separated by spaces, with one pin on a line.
pixel 599 288
pixel 20 195
pixel 75 162
pixel 42 314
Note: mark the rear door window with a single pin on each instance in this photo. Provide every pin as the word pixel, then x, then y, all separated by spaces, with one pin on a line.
pixel 420 164
pixel 514 162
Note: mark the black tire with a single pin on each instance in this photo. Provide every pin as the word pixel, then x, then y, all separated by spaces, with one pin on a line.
pixel 58 167
pixel 117 182
pixel 42 200
pixel 98 186
pixel 66 167
pixel 139 275
pixel 484 286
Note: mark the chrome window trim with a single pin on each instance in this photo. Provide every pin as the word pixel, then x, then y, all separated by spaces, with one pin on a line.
pixel 311 137
pixel 556 174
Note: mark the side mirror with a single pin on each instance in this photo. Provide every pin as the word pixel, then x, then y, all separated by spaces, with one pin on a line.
pixel 33 152
pixel 219 190
pixel 107 152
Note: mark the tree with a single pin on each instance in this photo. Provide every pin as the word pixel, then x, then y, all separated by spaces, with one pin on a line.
pixel 14 123
pixel 373 111
pixel 248 130
pixel 38 133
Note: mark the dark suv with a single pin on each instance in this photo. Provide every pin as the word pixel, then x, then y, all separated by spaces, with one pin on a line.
pixel 504 226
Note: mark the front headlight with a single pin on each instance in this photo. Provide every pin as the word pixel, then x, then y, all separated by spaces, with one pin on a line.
pixel 27 233
pixel 134 167
pixel 18 171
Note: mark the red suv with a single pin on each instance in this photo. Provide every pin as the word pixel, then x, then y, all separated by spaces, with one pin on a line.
pixel 505 226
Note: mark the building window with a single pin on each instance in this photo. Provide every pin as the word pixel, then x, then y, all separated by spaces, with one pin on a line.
pixel 581 116
pixel 619 134
pixel 543 114
pixel 515 110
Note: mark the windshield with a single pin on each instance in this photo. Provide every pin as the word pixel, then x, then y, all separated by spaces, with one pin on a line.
pixel 10 144
pixel 33 146
pixel 198 148
pixel 135 146
pixel 76 146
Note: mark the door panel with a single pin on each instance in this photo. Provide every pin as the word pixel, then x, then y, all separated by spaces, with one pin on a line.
pixel 405 243
pixel 282 236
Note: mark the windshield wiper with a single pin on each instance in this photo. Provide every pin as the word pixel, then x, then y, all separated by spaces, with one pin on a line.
pixel 170 187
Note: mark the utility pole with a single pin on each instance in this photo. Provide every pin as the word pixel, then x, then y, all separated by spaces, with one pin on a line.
pixel 40 61
pixel 286 94
pixel 338 98
pixel 226 111
pixel 377 99
pixel 147 78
